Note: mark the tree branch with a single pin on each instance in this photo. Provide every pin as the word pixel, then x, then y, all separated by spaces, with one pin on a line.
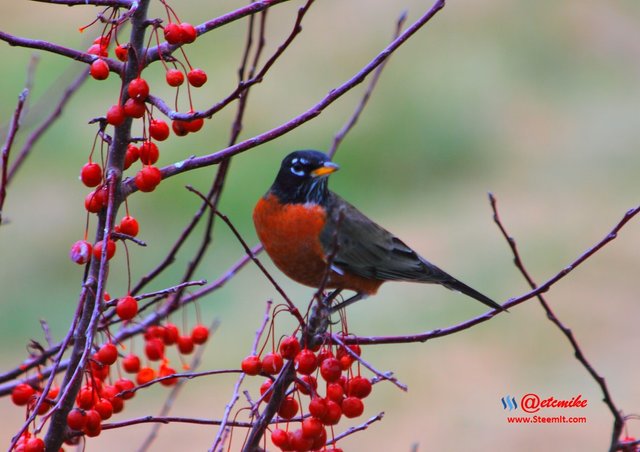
pixel 335 94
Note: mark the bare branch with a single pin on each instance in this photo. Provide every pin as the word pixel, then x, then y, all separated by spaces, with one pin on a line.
pixel 618 421
pixel 441 332
pixel 337 139
pixel 217 157
pixel 6 148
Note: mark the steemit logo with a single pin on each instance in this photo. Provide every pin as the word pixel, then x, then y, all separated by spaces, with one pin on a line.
pixel 509 402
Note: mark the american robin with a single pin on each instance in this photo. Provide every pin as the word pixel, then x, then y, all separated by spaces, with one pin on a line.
pixel 315 237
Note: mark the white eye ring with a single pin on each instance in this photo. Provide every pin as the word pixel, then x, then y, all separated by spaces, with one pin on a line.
pixel 297 170
pixel 297 167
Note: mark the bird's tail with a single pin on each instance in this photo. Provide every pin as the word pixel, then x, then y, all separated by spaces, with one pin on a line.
pixel 459 286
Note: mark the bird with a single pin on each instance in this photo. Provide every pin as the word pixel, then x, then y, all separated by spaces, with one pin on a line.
pixel 320 240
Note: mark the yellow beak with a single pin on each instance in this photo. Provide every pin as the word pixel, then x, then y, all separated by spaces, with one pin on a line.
pixel 326 169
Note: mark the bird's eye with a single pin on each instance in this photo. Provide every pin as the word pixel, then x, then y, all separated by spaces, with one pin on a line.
pixel 297 168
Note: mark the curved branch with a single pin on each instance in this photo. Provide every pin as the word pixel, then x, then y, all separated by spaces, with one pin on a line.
pixel 12 40
pixel 254 7
pixel 112 3
pixel 335 94
pixel 440 332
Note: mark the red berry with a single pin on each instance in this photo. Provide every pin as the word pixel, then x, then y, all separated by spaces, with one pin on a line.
pixel 272 363
pixel 134 108
pixel 335 392
pixel 111 249
pixel 299 442
pixel 148 178
pixel 102 41
pixel 173 33
pixel 324 354
pixel 174 77
pixel 154 349
pixel 318 407
pixel 193 125
pixel 99 69
pixel 165 371
pixel 345 358
pixel 330 369
pixel 91 174
pixel 86 397
pixel 80 252
pixel 93 420
pixel 131 155
pixel 145 375
pixel 149 153
pixel 104 409
pixel 115 115
pixel 197 77
pixel 127 307
pixel 171 334
pixel 93 432
pixel 129 226
pixel 154 331
pixel 122 52
pixel 22 393
pixel 98 50
pixel 358 387
pixel 289 347
pixel 352 407
pixel 131 363
pixel 76 419
pixel 306 362
pixel 189 33
pixel 320 441
pixel 179 127
pixel 312 427
pixel 108 354
pixel 308 385
pixel 280 438
pixel 158 129
pixel 117 403
pixel 264 387
pixel 95 201
pixel 124 384
pixel 185 345
pixel 288 408
pixel 200 334
pixel 138 89
pixel 333 414
pixel 251 365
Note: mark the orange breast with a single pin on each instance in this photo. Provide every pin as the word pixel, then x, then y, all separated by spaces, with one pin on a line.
pixel 290 234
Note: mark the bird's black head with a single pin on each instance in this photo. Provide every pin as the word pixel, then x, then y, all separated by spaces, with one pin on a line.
pixel 303 177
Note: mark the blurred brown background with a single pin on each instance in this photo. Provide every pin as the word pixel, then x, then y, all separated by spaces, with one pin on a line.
pixel 536 102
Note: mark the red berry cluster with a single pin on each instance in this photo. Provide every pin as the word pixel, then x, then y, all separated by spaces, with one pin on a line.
pixel 344 389
pixel 23 394
pixel 101 395
pixel 99 398
pixel 28 443
pixel 135 106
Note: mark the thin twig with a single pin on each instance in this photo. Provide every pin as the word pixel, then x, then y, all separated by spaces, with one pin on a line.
pixel 618 421
pixel 337 139
pixel 358 428
pixel 441 332
pixel 46 124
pixel 388 376
pixel 292 307
pixel 8 144
pixel 236 389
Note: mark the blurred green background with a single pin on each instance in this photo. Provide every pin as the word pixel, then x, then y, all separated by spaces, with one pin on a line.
pixel 536 102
